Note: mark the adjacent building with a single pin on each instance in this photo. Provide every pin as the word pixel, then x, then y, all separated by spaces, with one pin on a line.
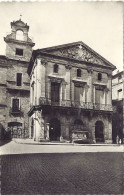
pixel 117 102
pixel 70 95
pixel 14 82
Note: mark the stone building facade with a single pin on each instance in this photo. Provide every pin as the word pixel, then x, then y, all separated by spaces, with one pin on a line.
pixel 118 105
pixel 70 95
pixel 117 86
pixel 14 82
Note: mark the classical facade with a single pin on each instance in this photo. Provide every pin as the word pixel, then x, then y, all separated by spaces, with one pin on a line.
pixel 14 82
pixel 70 95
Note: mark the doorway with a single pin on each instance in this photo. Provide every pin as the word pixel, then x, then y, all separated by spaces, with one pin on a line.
pixel 54 130
pixel 99 134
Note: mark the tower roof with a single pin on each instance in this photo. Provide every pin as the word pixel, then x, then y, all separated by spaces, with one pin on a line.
pixel 19 23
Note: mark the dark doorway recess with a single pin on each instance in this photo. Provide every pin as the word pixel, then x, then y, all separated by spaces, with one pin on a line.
pixel 54 130
pixel 99 128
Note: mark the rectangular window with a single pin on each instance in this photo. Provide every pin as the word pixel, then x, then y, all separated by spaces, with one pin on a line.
pixel 79 94
pixel 55 92
pixel 15 105
pixel 120 94
pixel 99 76
pixel 99 97
pixel 19 52
pixel 19 79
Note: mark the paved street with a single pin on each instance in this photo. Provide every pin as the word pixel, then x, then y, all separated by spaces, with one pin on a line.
pixel 69 173
pixel 61 169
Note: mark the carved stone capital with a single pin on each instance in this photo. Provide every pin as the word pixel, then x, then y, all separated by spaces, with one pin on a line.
pixel 90 70
pixel 68 66
pixel 87 86
pixel 43 61
pixel 109 75
pixel 107 90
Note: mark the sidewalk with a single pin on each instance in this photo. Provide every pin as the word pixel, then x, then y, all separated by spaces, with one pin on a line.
pixel 30 148
pixel 31 141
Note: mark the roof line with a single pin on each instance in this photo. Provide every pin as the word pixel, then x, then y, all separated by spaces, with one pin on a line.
pixel 71 44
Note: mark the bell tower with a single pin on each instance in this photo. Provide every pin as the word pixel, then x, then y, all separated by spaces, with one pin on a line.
pixel 18 44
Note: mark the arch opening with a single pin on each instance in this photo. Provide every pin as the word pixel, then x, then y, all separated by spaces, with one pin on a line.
pixel 99 131
pixel 19 35
pixel 54 130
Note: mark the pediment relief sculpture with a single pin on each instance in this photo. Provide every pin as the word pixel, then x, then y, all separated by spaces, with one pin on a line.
pixel 79 53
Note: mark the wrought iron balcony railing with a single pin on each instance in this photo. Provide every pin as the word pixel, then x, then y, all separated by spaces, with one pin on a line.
pixel 15 111
pixel 75 104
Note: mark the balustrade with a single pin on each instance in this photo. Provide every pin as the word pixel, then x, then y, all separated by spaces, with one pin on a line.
pixel 75 104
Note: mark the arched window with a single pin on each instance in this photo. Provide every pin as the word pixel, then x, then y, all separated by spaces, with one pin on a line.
pixel 19 35
pixel 78 72
pixel 99 76
pixel 55 68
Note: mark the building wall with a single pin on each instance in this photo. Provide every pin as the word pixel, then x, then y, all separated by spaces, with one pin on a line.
pixel 42 76
pixel 40 86
pixel 117 86
pixel 11 51
pixel 10 65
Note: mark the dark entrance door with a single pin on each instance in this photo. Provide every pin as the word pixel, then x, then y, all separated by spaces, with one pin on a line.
pixel 54 130
pixel 55 92
pixel 99 127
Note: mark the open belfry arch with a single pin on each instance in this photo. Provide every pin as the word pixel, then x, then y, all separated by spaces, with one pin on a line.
pixel 72 83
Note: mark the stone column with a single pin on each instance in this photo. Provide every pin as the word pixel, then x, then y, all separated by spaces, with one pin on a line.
pixel 49 89
pixel 90 91
pixel 63 91
pixel 93 134
pixel 109 95
pixel 38 80
pixel 67 80
pixel 43 76
pixel 94 90
pixel 86 93
pixel 47 131
pixel 105 91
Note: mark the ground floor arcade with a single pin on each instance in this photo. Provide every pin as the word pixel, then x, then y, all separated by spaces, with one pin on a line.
pixel 89 127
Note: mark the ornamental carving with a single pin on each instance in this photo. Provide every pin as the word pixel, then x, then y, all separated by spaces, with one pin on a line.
pixel 55 79
pixel 43 61
pixel 79 53
pixel 79 84
pixel 68 66
pixel 100 87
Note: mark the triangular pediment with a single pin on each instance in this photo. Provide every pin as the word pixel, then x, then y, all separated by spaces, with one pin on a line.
pixel 78 51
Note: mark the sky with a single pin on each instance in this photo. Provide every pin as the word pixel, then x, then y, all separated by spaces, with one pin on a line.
pixel 97 24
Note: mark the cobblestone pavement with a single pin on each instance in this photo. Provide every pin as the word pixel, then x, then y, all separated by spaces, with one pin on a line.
pixel 17 148
pixel 65 173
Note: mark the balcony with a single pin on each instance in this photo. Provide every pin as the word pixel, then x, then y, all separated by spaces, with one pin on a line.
pixel 76 104
pixel 15 111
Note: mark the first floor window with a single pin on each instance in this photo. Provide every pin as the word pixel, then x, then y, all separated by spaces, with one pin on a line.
pixel 55 88
pixel 15 104
pixel 99 76
pixel 120 94
pixel 99 96
pixel 79 94
pixel 19 79
pixel 55 68
pixel 78 72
